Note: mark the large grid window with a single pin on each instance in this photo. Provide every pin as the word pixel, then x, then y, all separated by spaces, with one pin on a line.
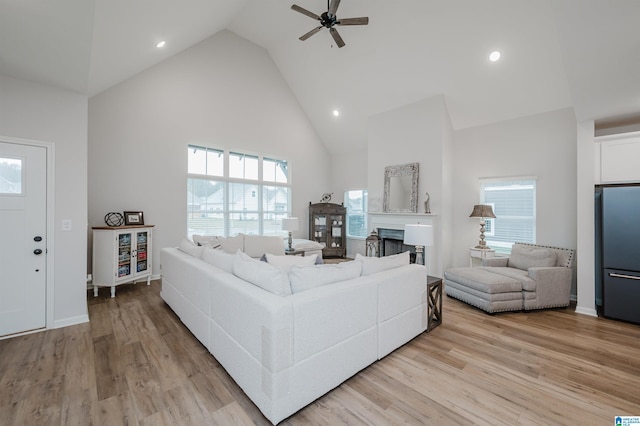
pixel 514 204
pixel 356 202
pixel 229 192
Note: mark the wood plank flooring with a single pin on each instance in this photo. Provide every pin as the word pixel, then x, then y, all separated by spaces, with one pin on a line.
pixel 136 364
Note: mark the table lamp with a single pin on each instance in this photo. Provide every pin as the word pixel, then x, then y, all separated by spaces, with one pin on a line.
pixel 420 236
pixel 290 224
pixel 482 211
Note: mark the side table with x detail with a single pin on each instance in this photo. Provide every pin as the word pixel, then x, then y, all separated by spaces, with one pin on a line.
pixel 434 302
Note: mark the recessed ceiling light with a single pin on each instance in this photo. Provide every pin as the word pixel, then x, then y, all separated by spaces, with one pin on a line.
pixel 161 44
pixel 336 113
pixel 494 56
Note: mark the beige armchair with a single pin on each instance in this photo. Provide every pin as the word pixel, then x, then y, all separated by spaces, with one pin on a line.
pixel 533 277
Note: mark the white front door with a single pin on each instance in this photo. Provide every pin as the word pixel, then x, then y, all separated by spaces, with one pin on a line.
pixel 23 239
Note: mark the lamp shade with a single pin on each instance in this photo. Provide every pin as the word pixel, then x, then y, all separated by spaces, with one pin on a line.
pixel 290 224
pixel 418 235
pixel 482 210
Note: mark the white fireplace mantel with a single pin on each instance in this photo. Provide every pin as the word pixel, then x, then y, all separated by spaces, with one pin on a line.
pixel 399 220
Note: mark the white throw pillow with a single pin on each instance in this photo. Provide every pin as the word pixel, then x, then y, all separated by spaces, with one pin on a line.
pixel 261 274
pixel 218 258
pixel 208 240
pixel 525 257
pixel 371 265
pixel 257 245
pixel 301 244
pixel 307 277
pixel 187 246
pixel 233 244
pixel 285 262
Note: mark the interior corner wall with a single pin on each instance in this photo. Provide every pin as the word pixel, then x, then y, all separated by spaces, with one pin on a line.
pixel 224 92
pixel 46 114
pixel 542 145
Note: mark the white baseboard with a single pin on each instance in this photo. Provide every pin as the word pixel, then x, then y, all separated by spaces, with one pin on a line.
pixel 586 311
pixel 66 322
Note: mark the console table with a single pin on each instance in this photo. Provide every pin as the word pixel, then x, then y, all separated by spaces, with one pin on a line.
pixel 434 302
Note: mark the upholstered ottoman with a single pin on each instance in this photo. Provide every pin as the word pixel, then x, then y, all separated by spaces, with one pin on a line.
pixel 484 289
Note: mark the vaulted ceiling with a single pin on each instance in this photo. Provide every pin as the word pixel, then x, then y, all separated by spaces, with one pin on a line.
pixel 583 54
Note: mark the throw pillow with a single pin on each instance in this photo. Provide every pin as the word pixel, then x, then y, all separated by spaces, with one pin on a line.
pixel 218 258
pixel 285 262
pixel 525 257
pixel 307 277
pixel 261 274
pixel 233 244
pixel 207 240
pixel 371 265
pixel 190 248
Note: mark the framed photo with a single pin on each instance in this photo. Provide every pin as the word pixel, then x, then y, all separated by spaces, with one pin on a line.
pixel 133 218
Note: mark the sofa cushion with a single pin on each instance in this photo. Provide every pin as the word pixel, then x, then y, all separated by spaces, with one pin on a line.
pixel 525 257
pixel 190 248
pixel 483 280
pixel 218 258
pixel 257 245
pixel 371 265
pixel 523 276
pixel 233 244
pixel 285 262
pixel 306 245
pixel 307 277
pixel 261 274
pixel 207 240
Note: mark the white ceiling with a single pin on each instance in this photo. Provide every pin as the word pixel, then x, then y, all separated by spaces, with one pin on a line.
pixel 583 54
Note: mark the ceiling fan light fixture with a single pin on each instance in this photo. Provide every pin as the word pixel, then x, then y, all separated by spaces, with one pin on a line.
pixel 329 20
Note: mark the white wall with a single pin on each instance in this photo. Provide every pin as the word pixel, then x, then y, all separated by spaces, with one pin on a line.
pixel 585 253
pixel 42 113
pixel 542 145
pixel 349 172
pixel 420 132
pixel 224 92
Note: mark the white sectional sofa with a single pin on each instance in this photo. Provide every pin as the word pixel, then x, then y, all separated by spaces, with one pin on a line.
pixel 286 350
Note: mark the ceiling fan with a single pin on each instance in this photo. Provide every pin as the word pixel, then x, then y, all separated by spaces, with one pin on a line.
pixel 328 20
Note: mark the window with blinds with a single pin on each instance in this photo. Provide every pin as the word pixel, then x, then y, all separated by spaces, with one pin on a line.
pixel 514 203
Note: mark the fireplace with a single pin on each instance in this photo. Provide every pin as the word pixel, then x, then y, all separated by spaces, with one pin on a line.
pixel 392 242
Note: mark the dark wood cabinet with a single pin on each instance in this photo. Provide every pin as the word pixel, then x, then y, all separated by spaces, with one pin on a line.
pixel 327 225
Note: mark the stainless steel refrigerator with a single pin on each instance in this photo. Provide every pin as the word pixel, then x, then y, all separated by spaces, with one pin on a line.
pixel 618 251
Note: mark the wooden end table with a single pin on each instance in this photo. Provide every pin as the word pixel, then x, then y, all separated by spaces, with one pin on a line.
pixel 434 302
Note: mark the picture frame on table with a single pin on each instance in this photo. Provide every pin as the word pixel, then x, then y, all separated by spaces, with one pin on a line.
pixel 133 218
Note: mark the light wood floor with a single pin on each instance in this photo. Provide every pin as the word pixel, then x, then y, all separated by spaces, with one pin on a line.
pixel 135 364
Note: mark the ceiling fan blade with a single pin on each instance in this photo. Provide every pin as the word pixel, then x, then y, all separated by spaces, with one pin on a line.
pixel 333 8
pixel 310 33
pixel 353 21
pixel 305 12
pixel 336 37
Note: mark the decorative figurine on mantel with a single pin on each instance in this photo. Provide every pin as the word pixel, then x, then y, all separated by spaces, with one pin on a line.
pixel 326 197
pixel 427 205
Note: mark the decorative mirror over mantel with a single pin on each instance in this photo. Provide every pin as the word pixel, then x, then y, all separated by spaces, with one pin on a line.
pixel 401 188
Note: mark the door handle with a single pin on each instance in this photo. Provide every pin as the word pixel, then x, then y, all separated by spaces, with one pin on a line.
pixel 631 277
pixel 37 251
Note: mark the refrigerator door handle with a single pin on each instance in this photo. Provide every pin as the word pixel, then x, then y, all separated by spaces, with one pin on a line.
pixel 631 277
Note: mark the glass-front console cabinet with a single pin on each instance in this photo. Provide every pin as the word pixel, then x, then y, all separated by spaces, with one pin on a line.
pixel 121 255
pixel 327 225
